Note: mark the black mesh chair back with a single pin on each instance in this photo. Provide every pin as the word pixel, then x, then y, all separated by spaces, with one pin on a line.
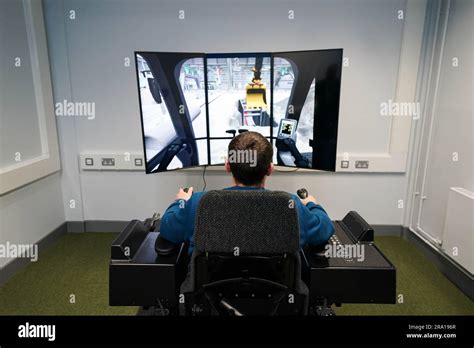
pixel 246 255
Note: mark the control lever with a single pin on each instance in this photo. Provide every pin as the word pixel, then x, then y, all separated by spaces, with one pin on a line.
pixel 302 193
pixel 150 223
pixel 154 219
pixel 243 131
pixel 231 131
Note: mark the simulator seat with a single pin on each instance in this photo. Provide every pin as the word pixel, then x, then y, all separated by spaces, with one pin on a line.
pixel 246 262
pixel 246 258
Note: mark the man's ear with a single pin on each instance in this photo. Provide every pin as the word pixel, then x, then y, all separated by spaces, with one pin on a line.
pixel 270 169
pixel 227 167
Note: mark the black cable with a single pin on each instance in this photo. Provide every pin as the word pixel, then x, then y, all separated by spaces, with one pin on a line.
pixel 204 178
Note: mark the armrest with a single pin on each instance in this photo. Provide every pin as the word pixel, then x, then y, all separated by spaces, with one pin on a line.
pixel 358 228
pixel 129 241
pixel 166 248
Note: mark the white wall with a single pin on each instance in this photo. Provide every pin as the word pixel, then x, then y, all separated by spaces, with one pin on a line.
pixel 87 61
pixel 448 127
pixel 29 213
pixel 374 196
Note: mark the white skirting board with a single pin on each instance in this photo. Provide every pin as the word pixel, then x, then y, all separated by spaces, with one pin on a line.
pixel 458 234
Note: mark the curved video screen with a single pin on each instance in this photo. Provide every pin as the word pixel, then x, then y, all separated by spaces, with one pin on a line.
pixel 193 104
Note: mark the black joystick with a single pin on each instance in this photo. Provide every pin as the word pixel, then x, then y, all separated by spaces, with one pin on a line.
pixel 302 193
pixel 186 189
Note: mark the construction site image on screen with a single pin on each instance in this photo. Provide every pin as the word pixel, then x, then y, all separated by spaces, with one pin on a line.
pixel 239 99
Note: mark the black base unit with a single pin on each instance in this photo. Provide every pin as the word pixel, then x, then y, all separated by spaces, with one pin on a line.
pixel 366 276
pixel 141 276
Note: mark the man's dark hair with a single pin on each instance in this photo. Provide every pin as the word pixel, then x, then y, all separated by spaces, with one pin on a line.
pixel 262 152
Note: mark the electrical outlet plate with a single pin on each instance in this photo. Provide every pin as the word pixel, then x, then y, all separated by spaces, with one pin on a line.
pixel 362 164
pixel 344 164
pixel 112 161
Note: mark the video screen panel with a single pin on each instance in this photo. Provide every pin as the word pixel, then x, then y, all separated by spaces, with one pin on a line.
pixel 239 93
pixel 193 104
pixel 306 91
pixel 173 107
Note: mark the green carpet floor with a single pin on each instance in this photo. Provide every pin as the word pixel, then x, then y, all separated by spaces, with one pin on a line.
pixel 76 267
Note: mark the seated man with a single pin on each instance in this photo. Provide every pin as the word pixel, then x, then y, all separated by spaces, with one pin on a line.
pixel 177 224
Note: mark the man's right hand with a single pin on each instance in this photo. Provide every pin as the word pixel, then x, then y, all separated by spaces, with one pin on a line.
pixel 308 199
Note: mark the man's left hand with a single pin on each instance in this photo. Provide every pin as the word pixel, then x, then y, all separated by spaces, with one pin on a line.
pixel 184 195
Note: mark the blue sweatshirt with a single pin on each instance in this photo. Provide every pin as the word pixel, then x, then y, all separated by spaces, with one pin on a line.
pixel 177 223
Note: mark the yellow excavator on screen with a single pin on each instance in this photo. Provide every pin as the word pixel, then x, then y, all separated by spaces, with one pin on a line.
pixel 256 92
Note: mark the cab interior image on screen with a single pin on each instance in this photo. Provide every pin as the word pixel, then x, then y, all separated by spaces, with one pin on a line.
pixel 173 109
pixel 192 105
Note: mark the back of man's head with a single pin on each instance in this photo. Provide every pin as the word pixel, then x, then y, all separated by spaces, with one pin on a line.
pixel 250 157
